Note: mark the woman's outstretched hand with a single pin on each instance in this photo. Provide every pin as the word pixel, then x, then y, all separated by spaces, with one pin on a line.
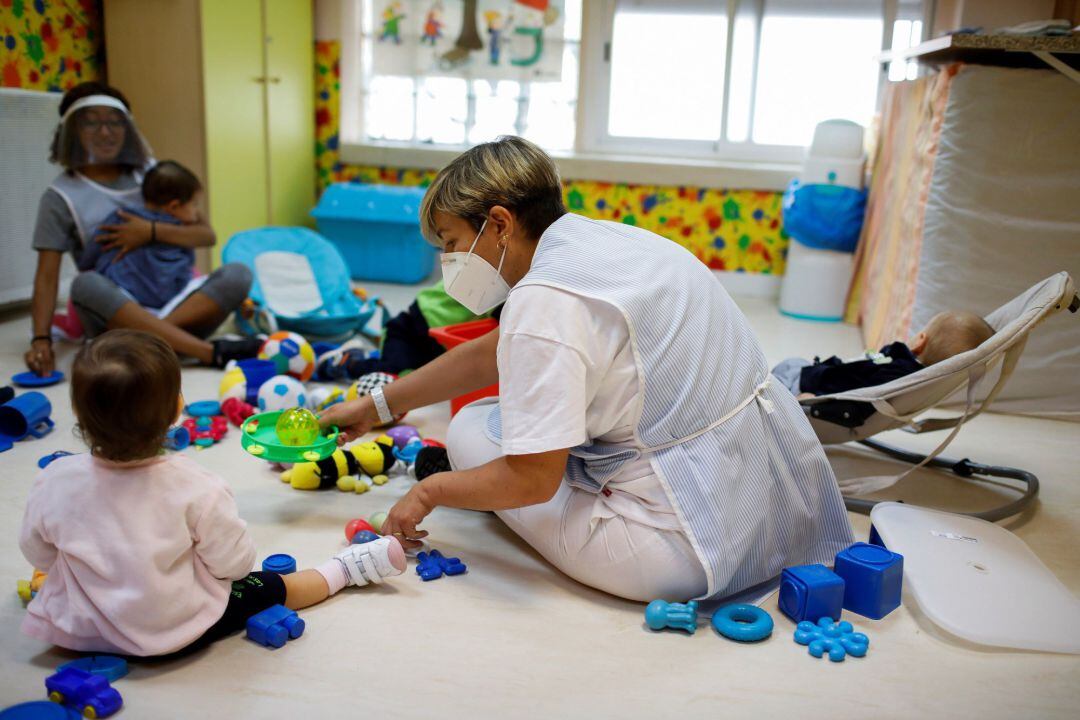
pixel 353 418
pixel 40 358
pixel 133 233
pixel 406 514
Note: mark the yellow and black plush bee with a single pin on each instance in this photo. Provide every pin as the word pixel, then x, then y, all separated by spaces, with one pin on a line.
pixel 343 466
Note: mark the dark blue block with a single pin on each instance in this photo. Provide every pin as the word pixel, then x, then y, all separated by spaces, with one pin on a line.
pixel 811 592
pixel 274 626
pixel 873 577
pixel 280 563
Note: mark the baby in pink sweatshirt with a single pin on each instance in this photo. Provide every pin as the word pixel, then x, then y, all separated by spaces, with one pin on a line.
pixel 146 553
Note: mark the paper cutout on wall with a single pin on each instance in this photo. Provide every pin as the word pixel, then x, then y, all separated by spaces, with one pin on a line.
pixel 477 39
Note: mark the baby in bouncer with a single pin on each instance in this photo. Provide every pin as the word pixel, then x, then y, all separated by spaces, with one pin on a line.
pixel 948 333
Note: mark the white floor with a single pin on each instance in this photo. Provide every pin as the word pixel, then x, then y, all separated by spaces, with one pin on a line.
pixel 514 638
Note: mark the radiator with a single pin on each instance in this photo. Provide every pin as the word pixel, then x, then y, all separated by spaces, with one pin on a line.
pixel 27 121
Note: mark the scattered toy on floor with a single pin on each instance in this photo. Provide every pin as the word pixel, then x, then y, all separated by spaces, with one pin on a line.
pixel 376 520
pixel 432 565
pixel 408 452
pixel 660 614
pixel 742 623
pixel 279 563
pixel 86 693
pixel 275 626
pixel 26 414
pixel 244 378
pixel 402 434
pixel 838 639
pixel 290 353
pixel 357 525
pixel 342 468
pixel 110 667
pixel 322 397
pixel 873 577
pixel 38 710
pixel 281 392
pixel 28 589
pixel 809 592
pixel 44 461
pixel 364 536
pixel 430 460
pixel 206 430
pixel 297 426
pixel 203 408
pixel 236 410
pixel 177 438
pixel 32 379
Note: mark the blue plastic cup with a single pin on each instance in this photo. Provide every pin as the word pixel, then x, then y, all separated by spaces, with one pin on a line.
pixel 256 372
pixel 28 414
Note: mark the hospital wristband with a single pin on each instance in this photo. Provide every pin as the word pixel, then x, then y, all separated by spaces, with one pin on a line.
pixel 380 406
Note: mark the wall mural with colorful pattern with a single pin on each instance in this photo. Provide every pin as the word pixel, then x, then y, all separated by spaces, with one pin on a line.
pixel 50 44
pixel 734 230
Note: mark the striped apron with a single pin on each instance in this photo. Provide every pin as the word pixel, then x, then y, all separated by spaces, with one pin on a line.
pixel 735 454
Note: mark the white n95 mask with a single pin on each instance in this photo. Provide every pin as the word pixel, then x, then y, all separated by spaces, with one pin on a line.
pixel 472 281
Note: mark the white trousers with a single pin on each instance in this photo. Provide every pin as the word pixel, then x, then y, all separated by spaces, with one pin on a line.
pixel 613 554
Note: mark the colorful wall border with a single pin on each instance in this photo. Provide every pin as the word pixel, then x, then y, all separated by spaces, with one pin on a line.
pixel 50 45
pixel 732 230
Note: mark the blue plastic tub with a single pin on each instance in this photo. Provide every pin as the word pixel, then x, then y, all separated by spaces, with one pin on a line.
pixel 377 230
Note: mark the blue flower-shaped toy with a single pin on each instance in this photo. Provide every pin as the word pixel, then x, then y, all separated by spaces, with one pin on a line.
pixel 838 639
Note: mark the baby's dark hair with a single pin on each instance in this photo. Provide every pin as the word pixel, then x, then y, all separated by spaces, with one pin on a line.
pixel 124 390
pixel 167 181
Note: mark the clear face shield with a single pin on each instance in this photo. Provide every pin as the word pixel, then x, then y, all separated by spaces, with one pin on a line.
pixel 98 130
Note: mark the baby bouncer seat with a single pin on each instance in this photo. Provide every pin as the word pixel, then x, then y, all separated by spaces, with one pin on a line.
pixel 301 283
pixel 857 415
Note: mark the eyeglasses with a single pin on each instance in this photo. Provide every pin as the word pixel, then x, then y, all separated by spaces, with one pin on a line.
pixel 95 125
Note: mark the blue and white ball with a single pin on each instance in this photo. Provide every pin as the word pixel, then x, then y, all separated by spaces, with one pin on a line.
pixel 281 392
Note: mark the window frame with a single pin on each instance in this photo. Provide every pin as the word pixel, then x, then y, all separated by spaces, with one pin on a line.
pixel 596 155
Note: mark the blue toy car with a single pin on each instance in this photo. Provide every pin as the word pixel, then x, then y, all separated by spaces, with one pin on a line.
pixel 86 693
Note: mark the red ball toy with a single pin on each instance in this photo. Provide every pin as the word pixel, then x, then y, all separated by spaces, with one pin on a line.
pixel 354 526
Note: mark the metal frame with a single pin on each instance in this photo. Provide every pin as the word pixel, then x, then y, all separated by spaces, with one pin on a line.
pixel 962 468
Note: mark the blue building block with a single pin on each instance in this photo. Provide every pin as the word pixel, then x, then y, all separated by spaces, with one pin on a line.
pixel 274 626
pixel 837 639
pixel 432 565
pixel 810 592
pixel 110 667
pixel 678 616
pixel 872 579
pixel 279 563
pixel 83 692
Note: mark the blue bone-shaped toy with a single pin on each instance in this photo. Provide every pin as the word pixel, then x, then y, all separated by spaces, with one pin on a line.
pixel 432 565
pixel 660 614
pixel 838 639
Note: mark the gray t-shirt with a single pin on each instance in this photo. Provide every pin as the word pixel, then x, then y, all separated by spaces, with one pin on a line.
pixel 55 228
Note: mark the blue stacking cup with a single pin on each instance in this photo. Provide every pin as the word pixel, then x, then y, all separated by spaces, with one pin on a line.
pixel 27 414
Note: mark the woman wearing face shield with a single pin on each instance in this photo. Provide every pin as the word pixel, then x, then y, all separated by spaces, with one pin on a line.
pixel 103 157
pixel 637 442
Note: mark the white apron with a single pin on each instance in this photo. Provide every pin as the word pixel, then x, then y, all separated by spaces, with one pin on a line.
pixel 735 454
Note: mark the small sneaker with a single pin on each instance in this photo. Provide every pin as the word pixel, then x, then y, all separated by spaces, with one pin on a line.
pixel 372 561
pixel 431 460
pixel 66 326
pixel 226 349
pixel 333 365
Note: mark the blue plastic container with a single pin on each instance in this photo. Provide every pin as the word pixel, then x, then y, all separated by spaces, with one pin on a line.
pixel 377 230
pixel 873 577
pixel 811 592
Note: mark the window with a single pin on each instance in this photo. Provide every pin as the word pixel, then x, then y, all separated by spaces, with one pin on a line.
pixel 746 80
pixel 703 80
pixel 412 89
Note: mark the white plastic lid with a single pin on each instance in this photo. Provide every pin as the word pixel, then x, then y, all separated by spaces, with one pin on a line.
pixel 837 139
pixel 978 581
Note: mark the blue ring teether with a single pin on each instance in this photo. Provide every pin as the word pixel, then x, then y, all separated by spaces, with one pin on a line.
pixel 744 623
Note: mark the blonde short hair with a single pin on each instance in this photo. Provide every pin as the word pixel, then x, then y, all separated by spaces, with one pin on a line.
pixel 951 333
pixel 511 172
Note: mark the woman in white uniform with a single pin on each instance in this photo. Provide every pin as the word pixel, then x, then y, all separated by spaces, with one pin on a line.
pixel 637 442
